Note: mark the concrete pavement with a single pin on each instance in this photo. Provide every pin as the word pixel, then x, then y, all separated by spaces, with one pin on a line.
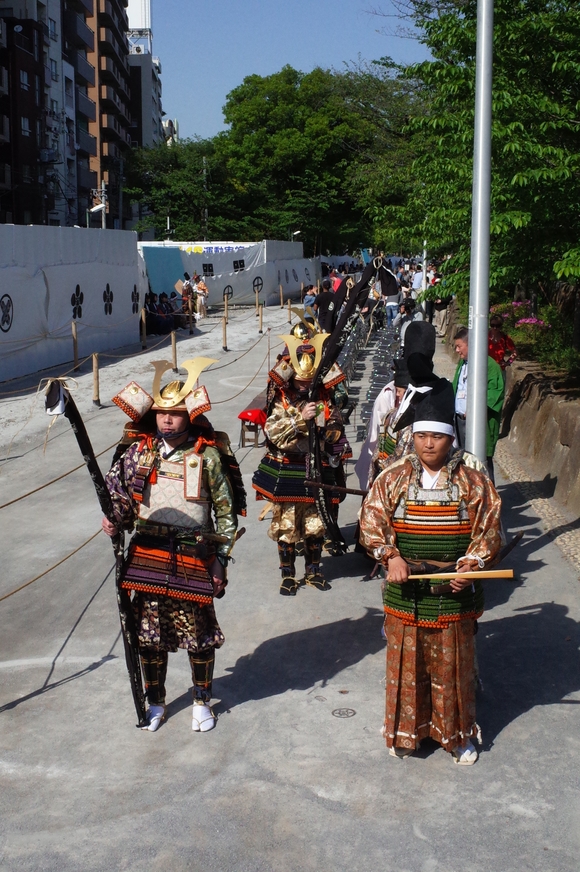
pixel 296 775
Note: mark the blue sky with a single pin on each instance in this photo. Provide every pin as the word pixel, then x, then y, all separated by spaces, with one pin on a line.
pixel 207 47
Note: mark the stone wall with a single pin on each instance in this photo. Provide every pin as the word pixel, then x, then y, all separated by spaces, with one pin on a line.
pixel 541 422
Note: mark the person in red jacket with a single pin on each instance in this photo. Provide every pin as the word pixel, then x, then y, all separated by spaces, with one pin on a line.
pixel 500 346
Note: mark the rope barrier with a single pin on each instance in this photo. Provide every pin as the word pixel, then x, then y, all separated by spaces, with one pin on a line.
pixel 254 377
pixel 52 481
pixel 145 351
pixel 46 571
pixel 235 360
pixel 136 353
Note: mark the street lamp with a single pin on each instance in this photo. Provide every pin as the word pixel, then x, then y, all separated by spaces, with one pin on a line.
pixel 100 208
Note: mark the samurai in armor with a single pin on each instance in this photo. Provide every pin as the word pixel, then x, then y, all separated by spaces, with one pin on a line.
pixel 173 485
pixel 438 505
pixel 283 470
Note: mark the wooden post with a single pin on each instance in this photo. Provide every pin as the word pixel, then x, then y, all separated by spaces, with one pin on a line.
pixel 261 317
pixel 269 328
pixel 96 391
pixel 190 314
pixel 281 297
pixel 289 312
pixel 75 345
pixel 301 292
pixel 174 350
pixel 143 328
pixel 257 302
pixel 224 334
pixel 226 309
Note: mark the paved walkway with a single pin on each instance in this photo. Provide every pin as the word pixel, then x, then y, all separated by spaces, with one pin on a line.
pixel 295 776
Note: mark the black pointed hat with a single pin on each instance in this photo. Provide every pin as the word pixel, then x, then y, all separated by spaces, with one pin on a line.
pixel 402 376
pixel 435 410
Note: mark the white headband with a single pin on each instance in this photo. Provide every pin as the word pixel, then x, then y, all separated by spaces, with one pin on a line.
pixel 433 427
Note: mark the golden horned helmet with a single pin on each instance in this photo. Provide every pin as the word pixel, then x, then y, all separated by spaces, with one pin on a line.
pixel 174 394
pixel 305 356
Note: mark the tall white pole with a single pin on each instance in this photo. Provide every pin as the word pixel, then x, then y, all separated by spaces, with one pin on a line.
pixel 476 423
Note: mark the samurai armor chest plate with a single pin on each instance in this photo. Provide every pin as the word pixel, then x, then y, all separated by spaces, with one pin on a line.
pixel 168 502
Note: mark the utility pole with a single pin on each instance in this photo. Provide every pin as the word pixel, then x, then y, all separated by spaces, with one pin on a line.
pixel 103 196
pixel 121 165
pixel 205 210
pixel 476 423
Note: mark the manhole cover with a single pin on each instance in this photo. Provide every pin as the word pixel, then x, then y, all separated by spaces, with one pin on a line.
pixel 344 713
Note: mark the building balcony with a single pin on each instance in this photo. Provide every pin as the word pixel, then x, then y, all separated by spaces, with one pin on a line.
pixel 86 178
pixel 110 101
pixel 108 16
pixel 110 45
pixel 111 128
pixel 45 32
pixel 5 176
pixel 111 149
pixel 77 32
pixel 86 106
pixel 84 69
pixel 4 128
pixel 87 6
pixel 87 142
pixel 110 72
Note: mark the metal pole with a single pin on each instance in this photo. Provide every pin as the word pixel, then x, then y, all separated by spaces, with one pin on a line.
pixel 476 423
pixel 121 167
pixel 104 202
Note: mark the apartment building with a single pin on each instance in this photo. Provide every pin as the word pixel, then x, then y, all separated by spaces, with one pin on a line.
pixel 67 117
pixel 111 95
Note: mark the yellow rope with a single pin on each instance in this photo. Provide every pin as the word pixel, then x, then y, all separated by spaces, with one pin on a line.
pixel 254 377
pixel 64 475
pixel 46 571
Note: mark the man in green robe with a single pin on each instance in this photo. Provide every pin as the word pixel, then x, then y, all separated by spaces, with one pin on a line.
pixel 495 396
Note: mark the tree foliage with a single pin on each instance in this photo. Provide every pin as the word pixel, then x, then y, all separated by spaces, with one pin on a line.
pixel 535 222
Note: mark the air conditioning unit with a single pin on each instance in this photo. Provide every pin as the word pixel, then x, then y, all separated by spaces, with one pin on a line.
pixel 48 155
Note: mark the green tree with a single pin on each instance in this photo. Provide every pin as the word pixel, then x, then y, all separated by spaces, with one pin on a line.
pixel 535 144
pixel 287 154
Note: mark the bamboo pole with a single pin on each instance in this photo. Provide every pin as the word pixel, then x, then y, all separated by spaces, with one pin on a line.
pixel 75 345
pixel 486 573
pixel 143 328
pixel 174 350
pixel 224 334
pixel 281 297
pixel 96 389
pixel 261 321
